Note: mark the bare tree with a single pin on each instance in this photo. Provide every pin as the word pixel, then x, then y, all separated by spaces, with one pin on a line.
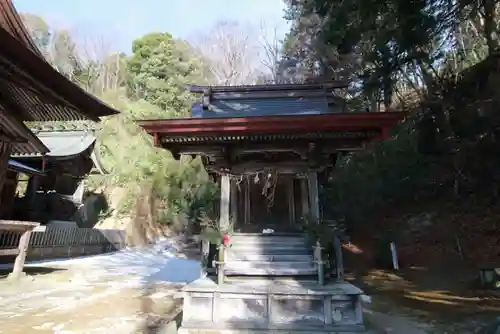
pixel 83 58
pixel 271 52
pixel 231 50
pixel 99 68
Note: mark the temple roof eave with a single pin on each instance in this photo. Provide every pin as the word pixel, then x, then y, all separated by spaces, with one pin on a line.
pixel 233 126
pixel 23 140
pixel 30 82
pixel 61 144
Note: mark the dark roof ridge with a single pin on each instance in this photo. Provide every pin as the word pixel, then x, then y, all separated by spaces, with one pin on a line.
pixel 266 87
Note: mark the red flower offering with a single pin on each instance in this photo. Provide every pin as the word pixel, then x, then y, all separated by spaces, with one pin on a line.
pixel 226 240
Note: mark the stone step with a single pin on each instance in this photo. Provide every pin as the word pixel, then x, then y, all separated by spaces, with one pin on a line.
pixel 236 256
pixel 270 243
pixel 272 271
pixel 238 265
pixel 236 239
pixel 270 249
pixel 284 280
pixel 270 235
pixel 253 327
pixel 267 252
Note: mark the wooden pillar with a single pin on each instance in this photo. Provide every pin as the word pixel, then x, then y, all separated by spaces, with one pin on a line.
pixel 339 262
pixel 304 198
pixel 21 255
pixel 318 258
pixel 222 259
pixel 313 195
pixel 225 198
pixel 5 151
pixel 314 215
pixel 29 201
pixel 247 201
pixel 233 214
pixel 205 256
pixel 291 202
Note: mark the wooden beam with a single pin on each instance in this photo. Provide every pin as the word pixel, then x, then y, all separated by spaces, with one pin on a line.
pixel 11 251
pixel 269 148
pixel 287 167
pixel 17 226
pixel 298 146
pixel 12 139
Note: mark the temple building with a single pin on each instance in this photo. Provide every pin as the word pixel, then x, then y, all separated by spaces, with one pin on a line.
pixel 270 147
pixel 33 91
pixel 57 190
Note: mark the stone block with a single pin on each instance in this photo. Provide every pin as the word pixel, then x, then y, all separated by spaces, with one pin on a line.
pixel 198 308
pixel 241 309
pixel 291 310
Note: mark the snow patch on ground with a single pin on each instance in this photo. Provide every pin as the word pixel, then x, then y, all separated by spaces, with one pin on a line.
pixel 158 262
pixel 147 265
pixel 111 284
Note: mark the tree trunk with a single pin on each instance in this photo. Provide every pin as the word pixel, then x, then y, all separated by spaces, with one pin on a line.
pixel 490 26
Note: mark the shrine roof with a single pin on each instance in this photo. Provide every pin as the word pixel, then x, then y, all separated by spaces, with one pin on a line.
pixel 32 89
pixel 23 140
pixel 267 100
pixel 64 143
pixel 191 128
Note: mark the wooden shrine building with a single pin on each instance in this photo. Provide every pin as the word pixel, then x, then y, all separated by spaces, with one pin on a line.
pixel 31 90
pixel 270 147
pixel 57 191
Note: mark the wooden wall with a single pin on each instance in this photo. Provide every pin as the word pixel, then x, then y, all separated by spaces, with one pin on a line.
pixel 282 214
pixel 5 151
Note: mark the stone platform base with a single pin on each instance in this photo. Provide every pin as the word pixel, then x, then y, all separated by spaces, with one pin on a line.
pixel 276 306
pixel 212 330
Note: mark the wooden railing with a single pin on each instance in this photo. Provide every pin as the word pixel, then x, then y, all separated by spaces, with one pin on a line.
pixel 65 241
